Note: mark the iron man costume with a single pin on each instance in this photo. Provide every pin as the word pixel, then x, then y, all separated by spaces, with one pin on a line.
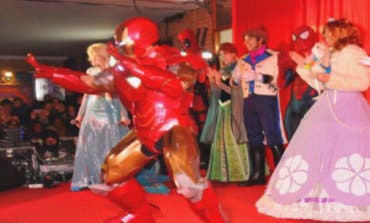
pixel 159 101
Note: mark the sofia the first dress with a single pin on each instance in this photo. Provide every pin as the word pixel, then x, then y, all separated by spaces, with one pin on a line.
pixel 325 171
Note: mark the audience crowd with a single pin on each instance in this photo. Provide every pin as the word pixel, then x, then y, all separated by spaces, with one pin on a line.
pixel 40 123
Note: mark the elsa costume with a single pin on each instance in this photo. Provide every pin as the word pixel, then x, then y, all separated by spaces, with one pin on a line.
pixel 325 171
pixel 100 130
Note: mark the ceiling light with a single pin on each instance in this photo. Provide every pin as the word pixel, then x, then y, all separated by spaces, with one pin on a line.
pixel 8 74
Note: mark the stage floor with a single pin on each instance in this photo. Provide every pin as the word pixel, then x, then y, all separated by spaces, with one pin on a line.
pixel 60 205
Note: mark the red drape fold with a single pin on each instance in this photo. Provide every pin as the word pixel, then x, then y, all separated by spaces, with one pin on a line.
pixel 281 17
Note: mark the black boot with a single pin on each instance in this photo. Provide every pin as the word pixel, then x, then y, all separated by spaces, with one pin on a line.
pixel 277 152
pixel 257 157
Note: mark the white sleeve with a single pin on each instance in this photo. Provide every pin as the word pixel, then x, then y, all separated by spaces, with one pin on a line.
pixel 352 75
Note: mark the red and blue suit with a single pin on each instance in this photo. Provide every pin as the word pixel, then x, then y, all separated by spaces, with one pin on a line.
pixel 301 95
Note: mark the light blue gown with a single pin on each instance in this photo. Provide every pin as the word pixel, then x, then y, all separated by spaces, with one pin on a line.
pixel 99 132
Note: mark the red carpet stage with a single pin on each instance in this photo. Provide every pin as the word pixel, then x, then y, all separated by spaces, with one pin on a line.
pixel 60 205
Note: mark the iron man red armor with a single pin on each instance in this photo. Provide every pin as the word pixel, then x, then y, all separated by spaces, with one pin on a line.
pixel 159 101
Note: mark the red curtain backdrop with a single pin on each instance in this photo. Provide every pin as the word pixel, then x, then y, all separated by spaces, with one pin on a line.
pixel 281 17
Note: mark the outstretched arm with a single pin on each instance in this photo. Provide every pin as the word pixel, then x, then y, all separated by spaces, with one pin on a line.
pixel 64 77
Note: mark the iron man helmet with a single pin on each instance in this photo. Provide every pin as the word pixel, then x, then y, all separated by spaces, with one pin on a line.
pixel 137 33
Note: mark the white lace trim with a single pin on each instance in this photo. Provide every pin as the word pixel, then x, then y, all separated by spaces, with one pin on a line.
pixel 330 211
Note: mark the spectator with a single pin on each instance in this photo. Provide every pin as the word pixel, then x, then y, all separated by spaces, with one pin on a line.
pixel 70 116
pixel 6 107
pixel 34 132
pixel 50 147
pixel 58 124
pixel 21 110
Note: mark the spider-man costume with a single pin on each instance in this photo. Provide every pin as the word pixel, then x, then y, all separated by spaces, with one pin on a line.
pixel 301 98
pixel 159 101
